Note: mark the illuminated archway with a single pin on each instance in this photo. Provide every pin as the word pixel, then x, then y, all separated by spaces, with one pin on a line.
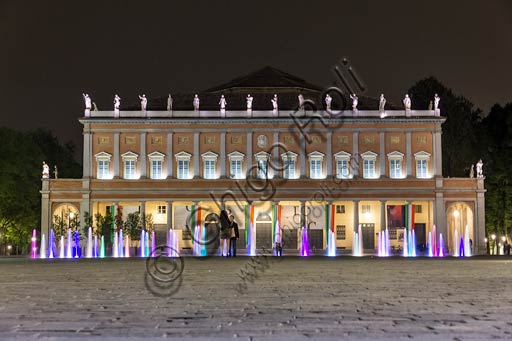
pixel 458 216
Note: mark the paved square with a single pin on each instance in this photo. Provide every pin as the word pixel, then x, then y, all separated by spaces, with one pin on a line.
pixel 358 298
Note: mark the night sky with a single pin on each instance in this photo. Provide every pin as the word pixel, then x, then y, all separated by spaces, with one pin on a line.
pixel 52 51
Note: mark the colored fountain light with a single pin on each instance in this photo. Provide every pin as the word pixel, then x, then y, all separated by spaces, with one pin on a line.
pixel 34 244
pixel 61 247
pixel 43 247
pixel 115 249
pixel 153 242
pixel 331 244
pixel 95 251
pixel 77 252
pixel 430 246
pixel 102 247
pixel 146 240
pixel 467 244
pixel 441 246
pixel 127 246
pixel 142 244
pixel 89 243
pixel 51 241
pixel 357 243
pixel 121 244
pixel 304 252
pixel 70 242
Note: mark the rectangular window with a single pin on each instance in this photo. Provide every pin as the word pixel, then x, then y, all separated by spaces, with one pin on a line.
pixel 183 169
pixel 262 169
pixel 418 209
pixel 421 169
pixel 342 169
pixel 367 209
pixel 369 169
pixel 156 169
pixel 209 169
pixel 161 209
pixel 316 169
pixel 340 232
pixel 289 169
pixel 129 169
pixel 103 169
pixel 395 169
pixel 236 169
pixel 340 209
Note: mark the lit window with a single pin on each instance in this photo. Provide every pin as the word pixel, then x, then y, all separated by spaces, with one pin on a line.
pixel 209 160
pixel 422 159
pixel 315 165
pixel 235 162
pixel 369 159
pixel 183 165
pixel 342 164
pixel 129 161
pixel 262 165
pixel 103 162
pixel 395 165
pixel 289 159
pixel 156 160
pixel 161 209
pixel 367 209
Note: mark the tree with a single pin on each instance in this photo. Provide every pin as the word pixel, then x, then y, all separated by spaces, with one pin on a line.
pixel 460 131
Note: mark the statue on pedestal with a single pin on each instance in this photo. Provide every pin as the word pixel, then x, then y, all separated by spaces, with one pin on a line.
pixel 222 103
pixel 87 100
pixel 407 102
pixel 355 101
pixel 55 172
pixel 196 102
pixel 117 103
pixel 382 103
pixel 274 102
pixel 301 102
pixel 169 103
pixel 472 171
pixel 479 170
pixel 249 102
pixel 436 102
pixel 328 102
pixel 46 171
pixel 143 102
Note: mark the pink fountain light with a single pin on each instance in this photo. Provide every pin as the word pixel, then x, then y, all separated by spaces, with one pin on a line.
pixel 34 245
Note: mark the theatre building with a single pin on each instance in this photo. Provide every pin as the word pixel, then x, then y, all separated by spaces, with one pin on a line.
pixel 281 172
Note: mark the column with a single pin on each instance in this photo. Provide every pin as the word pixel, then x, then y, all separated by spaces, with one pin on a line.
pixel 169 215
pixel 249 154
pixel 355 154
pixel 196 155
pixel 222 155
pixel 440 214
pixel 382 154
pixel 438 156
pixel 85 207
pixel 408 156
pixel 275 156
pixel 143 155
pixel 383 215
pixel 116 155
pixel 479 246
pixel 142 213
pixel 356 214
pixel 302 214
pixel 46 213
pixel 87 171
pixel 170 157
pixel 302 157
pixel 328 172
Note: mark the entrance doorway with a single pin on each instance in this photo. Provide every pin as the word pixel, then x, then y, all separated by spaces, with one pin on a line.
pixel 421 239
pixel 264 235
pixel 368 231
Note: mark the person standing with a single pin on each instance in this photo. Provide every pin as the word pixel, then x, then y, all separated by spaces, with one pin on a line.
pixel 234 236
pixel 224 231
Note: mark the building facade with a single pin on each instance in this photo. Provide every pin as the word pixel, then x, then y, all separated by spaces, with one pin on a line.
pixel 277 170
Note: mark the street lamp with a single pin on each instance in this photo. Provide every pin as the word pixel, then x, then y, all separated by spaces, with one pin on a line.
pixel 70 217
pixel 493 237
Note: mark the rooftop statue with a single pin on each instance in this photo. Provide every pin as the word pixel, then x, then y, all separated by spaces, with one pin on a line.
pixel 222 102
pixel 249 102
pixel 407 102
pixel 472 171
pixel 196 102
pixel 46 171
pixel 436 102
pixel 328 102
pixel 87 100
pixel 55 172
pixel 169 103
pixel 382 103
pixel 117 102
pixel 479 170
pixel 301 101
pixel 143 102
pixel 355 101
pixel 274 102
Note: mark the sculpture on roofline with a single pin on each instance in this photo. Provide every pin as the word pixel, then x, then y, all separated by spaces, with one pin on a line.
pixel 328 102
pixel 46 171
pixel 479 169
pixel 249 102
pixel 436 102
pixel 382 103
pixel 274 102
pixel 355 101
pixel 87 100
pixel 222 103
pixel 196 102
pixel 472 171
pixel 143 102
pixel 301 102
pixel 117 103
pixel 55 172
pixel 169 103
pixel 407 102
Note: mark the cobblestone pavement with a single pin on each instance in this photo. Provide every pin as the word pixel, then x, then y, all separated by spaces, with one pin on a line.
pixel 293 298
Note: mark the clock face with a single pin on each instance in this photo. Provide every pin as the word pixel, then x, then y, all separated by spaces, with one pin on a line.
pixel 262 141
